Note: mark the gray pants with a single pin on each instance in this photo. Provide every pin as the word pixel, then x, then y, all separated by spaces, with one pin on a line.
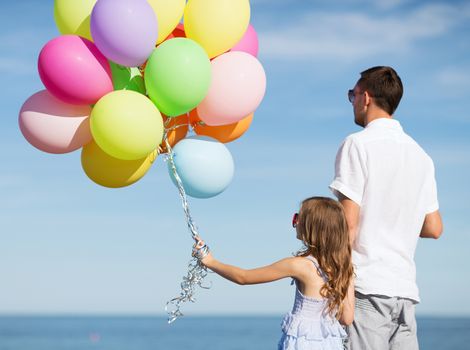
pixel 382 323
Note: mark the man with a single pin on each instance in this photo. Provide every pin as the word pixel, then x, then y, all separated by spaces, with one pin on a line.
pixel 386 184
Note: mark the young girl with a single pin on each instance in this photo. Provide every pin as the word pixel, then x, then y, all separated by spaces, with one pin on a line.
pixel 322 272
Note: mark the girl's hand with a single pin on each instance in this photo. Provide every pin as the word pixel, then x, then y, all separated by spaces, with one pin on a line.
pixel 202 252
pixel 207 260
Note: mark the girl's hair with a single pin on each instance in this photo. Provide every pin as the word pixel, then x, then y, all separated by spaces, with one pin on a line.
pixel 323 228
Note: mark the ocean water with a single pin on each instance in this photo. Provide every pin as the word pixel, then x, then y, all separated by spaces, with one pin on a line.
pixel 187 333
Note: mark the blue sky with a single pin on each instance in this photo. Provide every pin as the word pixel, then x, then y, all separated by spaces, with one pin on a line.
pixel 70 246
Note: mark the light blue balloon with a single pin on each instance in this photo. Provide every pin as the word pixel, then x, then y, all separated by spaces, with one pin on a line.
pixel 204 165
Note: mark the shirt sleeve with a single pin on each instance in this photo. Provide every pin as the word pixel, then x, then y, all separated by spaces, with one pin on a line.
pixel 432 203
pixel 350 171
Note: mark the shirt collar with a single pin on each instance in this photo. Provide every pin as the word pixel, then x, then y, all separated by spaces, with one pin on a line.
pixel 388 123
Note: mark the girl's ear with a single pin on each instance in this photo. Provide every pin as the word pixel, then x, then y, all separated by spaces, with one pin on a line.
pixel 298 235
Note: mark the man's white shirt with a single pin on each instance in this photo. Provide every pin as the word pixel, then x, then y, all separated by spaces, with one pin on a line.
pixel 392 179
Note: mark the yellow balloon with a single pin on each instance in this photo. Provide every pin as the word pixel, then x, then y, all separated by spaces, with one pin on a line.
pixel 169 14
pixel 73 16
pixel 217 25
pixel 107 171
pixel 126 125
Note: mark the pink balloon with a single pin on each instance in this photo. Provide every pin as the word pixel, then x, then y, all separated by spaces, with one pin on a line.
pixel 237 88
pixel 54 126
pixel 248 43
pixel 74 70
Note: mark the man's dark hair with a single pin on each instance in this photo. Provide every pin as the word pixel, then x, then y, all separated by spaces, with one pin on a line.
pixel 384 84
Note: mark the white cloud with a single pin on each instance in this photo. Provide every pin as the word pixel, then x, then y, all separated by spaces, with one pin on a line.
pixel 20 50
pixel 350 36
pixel 25 40
pixel 449 84
pixel 17 66
pixel 13 180
pixel 454 156
pixel 455 79
pixel 388 4
pixel 380 4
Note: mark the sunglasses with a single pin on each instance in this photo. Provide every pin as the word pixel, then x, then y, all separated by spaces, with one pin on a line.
pixel 295 220
pixel 351 96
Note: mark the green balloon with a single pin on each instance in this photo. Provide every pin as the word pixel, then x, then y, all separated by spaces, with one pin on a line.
pixel 127 78
pixel 177 76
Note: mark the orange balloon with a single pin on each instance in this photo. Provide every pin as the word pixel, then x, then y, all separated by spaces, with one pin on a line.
pixel 142 68
pixel 222 133
pixel 176 130
pixel 178 32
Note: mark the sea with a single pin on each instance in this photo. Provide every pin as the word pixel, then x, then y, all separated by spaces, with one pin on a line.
pixel 187 333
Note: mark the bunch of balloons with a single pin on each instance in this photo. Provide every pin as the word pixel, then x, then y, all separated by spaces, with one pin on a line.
pixel 126 78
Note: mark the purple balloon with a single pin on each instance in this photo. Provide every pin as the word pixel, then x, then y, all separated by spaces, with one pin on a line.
pixel 125 31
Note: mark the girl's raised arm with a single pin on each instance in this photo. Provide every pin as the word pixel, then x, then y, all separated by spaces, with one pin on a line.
pixel 288 267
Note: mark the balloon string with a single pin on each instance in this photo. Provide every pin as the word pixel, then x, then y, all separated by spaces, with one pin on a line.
pixel 176 127
pixel 196 271
pixel 170 157
pixel 188 124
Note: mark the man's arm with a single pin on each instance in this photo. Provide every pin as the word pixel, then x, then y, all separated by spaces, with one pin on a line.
pixel 347 317
pixel 432 226
pixel 351 211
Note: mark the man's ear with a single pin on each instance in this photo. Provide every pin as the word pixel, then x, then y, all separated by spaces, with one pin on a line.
pixel 367 100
